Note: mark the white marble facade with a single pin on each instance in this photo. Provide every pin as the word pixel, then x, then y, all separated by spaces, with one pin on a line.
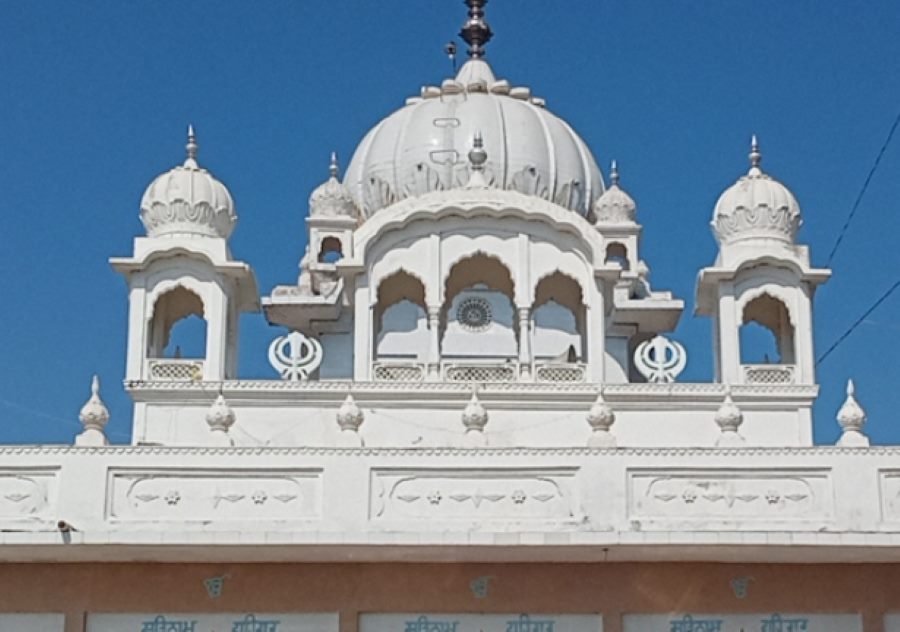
pixel 472 353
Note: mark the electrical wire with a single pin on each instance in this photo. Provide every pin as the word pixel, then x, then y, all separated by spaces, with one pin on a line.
pixel 858 322
pixel 862 191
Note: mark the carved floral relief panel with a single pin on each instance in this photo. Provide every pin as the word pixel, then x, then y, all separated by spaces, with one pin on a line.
pixel 707 498
pixel 230 495
pixel 27 494
pixel 473 494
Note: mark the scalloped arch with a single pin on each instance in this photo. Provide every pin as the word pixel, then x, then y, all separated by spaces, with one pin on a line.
pixel 169 285
pixel 490 202
pixel 773 291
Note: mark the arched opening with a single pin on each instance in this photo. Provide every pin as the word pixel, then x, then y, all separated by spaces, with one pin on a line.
pixel 177 328
pixel 331 250
pixel 559 316
pixel 401 322
pixel 766 334
pixel 478 317
pixel 617 253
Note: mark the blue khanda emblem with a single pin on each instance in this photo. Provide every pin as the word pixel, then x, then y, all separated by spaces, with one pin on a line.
pixel 214 586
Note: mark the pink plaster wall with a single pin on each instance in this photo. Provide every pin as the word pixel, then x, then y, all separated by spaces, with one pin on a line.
pixel 350 589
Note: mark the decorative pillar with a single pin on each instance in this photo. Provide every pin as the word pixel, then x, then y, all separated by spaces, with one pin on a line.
pixel 434 342
pixel 525 358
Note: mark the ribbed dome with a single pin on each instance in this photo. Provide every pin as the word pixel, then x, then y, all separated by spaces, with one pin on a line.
pixel 188 200
pixel 331 198
pixel 756 207
pixel 423 146
pixel 615 206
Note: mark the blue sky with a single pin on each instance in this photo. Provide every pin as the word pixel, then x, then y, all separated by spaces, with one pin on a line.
pixel 96 96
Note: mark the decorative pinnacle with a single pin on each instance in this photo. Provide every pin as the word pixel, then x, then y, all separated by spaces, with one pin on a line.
pixel 191 148
pixel 755 155
pixel 477 155
pixel 333 167
pixel 476 32
pixel 614 174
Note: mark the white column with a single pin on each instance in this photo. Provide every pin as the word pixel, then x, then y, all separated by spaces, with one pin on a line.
pixel 729 340
pixel 138 324
pixel 804 353
pixel 525 357
pixel 595 334
pixel 434 342
pixel 363 337
pixel 216 334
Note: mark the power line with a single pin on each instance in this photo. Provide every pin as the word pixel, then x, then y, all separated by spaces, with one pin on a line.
pixel 862 191
pixel 858 322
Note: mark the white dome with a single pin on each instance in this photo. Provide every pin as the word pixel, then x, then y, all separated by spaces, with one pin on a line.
pixel 615 206
pixel 188 200
pixel 756 207
pixel 331 198
pixel 423 146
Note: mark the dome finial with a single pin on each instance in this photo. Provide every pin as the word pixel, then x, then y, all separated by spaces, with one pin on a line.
pixel 755 155
pixel 614 173
pixel 477 155
pixel 476 32
pixel 333 167
pixel 191 148
pixel 477 158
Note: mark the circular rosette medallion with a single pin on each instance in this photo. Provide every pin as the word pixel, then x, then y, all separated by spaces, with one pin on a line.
pixel 474 314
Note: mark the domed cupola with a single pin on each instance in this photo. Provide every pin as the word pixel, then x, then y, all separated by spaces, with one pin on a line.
pixel 188 200
pixel 615 206
pixel 331 198
pixel 756 207
pixel 423 146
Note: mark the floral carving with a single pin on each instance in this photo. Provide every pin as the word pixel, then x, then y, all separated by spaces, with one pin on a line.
pixel 215 496
pixel 745 495
pixel 481 495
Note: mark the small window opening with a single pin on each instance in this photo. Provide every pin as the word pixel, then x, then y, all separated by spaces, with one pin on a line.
pixel 766 334
pixel 331 250
pixel 178 329
pixel 617 253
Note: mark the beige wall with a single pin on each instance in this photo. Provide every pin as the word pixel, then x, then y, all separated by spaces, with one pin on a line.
pixel 612 589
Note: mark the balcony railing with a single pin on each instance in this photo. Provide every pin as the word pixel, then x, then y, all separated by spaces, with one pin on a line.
pixel 175 370
pixel 769 373
pixel 398 371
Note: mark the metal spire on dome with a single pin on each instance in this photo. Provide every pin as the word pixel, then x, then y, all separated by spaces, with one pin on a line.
pixel 755 156
pixel 333 169
pixel 614 174
pixel 476 32
pixel 191 148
